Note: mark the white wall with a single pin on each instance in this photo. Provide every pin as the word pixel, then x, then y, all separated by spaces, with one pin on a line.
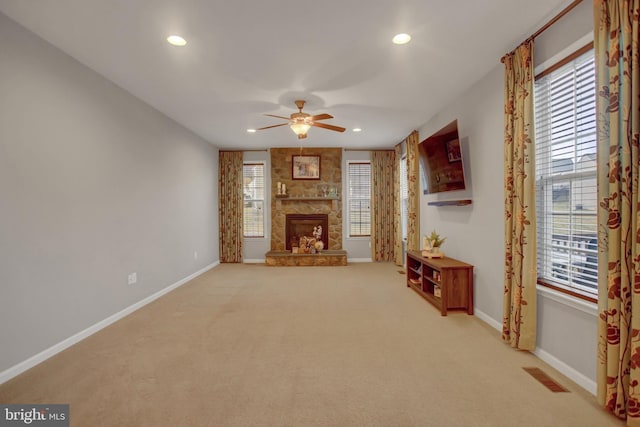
pixel 566 327
pixel 94 185
pixel 474 232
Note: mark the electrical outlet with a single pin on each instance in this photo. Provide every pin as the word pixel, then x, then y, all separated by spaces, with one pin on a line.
pixel 132 278
pixel 195 255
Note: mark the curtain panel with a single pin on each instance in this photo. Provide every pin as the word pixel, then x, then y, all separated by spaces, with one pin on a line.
pixel 520 277
pixel 616 44
pixel 383 205
pixel 397 212
pixel 413 189
pixel 231 205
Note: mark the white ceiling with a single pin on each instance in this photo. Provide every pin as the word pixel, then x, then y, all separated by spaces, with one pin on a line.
pixel 247 58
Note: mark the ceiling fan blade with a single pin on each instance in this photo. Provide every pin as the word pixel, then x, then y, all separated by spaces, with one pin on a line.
pixel 278 117
pixel 274 126
pixel 322 117
pixel 330 127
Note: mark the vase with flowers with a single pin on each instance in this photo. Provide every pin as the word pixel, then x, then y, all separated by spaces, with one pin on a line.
pixel 432 245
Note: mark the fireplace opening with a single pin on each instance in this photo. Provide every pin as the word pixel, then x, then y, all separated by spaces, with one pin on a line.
pixel 302 225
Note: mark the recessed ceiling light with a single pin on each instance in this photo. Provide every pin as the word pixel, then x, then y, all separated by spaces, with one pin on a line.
pixel 176 40
pixel 357 130
pixel 251 130
pixel 401 38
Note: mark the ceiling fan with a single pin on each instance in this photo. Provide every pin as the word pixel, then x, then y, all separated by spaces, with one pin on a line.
pixel 301 122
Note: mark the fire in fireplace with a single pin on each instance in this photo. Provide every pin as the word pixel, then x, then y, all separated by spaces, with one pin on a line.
pixel 301 225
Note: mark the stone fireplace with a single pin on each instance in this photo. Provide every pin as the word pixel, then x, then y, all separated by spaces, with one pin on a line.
pixel 305 196
pixel 299 225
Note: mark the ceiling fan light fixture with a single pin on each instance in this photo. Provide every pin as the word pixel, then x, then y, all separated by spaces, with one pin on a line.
pixel 300 128
pixel 301 122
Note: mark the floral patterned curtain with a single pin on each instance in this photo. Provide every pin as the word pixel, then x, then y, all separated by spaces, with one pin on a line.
pixel 397 214
pixel 519 304
pixel 413 187
pixel 616 44
pixel 231 206
pixel 383 205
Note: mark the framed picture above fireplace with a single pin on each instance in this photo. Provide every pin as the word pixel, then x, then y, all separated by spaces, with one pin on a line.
pixel 305 167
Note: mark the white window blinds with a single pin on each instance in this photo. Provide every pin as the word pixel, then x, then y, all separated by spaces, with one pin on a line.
pixel 359 199
pixel 253 181
pixel 404 196
pixel 565 139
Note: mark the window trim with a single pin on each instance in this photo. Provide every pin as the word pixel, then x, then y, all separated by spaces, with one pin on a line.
pixel 570 292
pixel 584 49
pixel 264 201
pixel 348 200
pixel 566 291
pixel 588 307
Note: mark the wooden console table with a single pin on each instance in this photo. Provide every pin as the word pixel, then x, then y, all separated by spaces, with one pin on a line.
pixel 445 282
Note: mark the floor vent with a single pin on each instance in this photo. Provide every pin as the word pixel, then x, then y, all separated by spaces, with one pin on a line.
pixel 546 380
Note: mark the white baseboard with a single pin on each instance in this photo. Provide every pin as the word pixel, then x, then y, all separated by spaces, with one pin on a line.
pixel 16 370
pixel 359 260
pixel 488 319
pixel 566 370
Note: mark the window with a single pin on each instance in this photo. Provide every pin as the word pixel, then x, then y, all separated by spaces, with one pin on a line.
pixel 404 196
pixel 566 201
pixel 359 199
pixel 253 177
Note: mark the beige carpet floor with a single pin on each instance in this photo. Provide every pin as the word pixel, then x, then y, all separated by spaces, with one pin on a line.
pixel 249 345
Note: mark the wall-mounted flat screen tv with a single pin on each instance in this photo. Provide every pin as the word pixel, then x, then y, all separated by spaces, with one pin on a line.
pixel 441 161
